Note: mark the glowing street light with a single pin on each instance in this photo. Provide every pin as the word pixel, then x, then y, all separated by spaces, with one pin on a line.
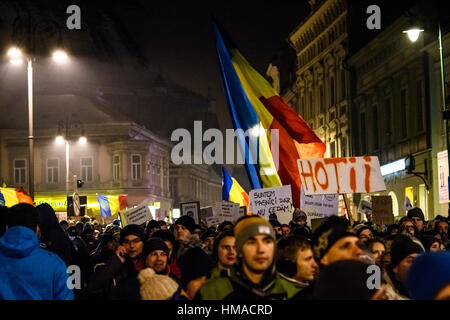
pixel 82 140
pixel 413 34
pixel 60 56
pixel 59 140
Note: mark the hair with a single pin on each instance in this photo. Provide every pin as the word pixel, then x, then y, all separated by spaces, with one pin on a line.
pixel 23 214
pixel 288 247
pixel 164 235
pixel 223 234
pixel 369 243
pixel 63 222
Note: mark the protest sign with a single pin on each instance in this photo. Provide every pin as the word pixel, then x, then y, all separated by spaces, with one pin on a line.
pixel 242 211
pixel 382 210
pixel 191 209
pixel 341 175
pixel 365 207
pixel 138 215
pixel 318 206
pixel 276 200
pixel 442 158
pixel 206 214
pixel 407 205
pixel 226 211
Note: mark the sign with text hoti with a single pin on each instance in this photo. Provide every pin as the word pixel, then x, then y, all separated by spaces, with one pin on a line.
pixel 341 175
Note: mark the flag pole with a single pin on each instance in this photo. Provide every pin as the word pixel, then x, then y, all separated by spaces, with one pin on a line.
pixel 347 206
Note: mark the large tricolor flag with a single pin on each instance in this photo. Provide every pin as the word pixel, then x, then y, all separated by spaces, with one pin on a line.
pixel 255 107
pixel 11 196
pixel 110 205
pixel 232 190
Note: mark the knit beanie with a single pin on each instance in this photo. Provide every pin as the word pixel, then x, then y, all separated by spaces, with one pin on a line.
pixel 152 245
pixel 416 212
pixel 251 226
pixel 187 222
pixel 344 280
pixel 275 223
pixel 402 246
pixel 133 229
pixel 328 233
pixel 298 213
pixel 156 286
pixel 194 263
pixel 428 274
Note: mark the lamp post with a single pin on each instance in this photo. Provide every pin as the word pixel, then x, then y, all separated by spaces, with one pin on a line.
pixel 15 55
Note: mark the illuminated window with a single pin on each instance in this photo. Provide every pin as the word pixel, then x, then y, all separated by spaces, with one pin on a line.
pixel 116 167
pixel 136 167
pixel 409 192
pixel 52 171
pixel 86 169
pixel 19 171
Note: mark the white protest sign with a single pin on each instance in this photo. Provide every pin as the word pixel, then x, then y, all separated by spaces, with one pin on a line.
pixel 407 205
pixel 226 211
pixel 191 209
pixel 206 214
pixel 442 158
pixel 276 200
pixel 341 175
pixel 318 206
pixel 139 215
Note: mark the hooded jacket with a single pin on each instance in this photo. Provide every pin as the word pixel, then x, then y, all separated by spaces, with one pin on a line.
pixel 29 272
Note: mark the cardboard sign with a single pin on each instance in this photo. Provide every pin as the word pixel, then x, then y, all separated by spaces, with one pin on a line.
pixel 191 209
pixel 276 200
pixel 341 175
pixel 139 215
pixel 206 214
pixel 318 206
pixel 226 211
pixel 442 158
pixel 382 210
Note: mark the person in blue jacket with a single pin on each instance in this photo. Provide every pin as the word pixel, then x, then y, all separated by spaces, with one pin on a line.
pixel 27 271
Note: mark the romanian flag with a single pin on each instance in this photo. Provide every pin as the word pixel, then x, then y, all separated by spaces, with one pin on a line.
pixel 232 190
pixel 11 196
pixel 110 205
pixel 256 108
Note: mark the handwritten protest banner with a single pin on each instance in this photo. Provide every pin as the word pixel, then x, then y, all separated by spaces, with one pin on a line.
pixel 318 206
pixel 341 175
pixel 226 211
pixel 138 215
pixel 276 200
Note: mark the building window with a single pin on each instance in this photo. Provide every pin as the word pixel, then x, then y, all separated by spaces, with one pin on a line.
pixel 19 171
pixel 404 114
pixel 420 108
pixel 343 93
pixel 363 134
pixel 52 170
pixel 136 167
pixel 332 149
pixel 309 115
pixel 376 143
pixel 344 147
pixel 321 99
pixel 116 167
pixel 332 92
pixel 86 169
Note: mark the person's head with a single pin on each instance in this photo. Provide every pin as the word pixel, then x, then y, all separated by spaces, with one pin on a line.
pixel 276 225
pixel 195 265
pixel 299 217
pixel 226 225
pixel 376 248
pixel 132 237
pixel 224 250
pixel 406 225
pixel 333 240
pixel 392 229
pixel 404 249
pixel 168 239
pixel 151 227
pixel 162 224
pixel 208 239
pixel 64 225
pixel 431 242
pixel 184 228
pixel 442 227
pixel 417 217
pixel 255 245
pixel 109 242
pixel 429 277
pixel 363 232
pixel 155 255
pixel 198 230
pixel 25 215
pixel 79 227
pixel 344 280
pixel 155 286
pixel 286 229
pixel 295 258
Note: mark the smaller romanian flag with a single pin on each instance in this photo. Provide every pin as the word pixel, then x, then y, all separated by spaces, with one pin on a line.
pixel 110 205
pixel 232 190
pixel 11 196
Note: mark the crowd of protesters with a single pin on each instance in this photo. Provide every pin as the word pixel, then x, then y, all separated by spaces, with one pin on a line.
pixel 251 258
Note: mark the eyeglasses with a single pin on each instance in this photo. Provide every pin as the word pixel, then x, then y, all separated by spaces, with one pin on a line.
pixel 134 241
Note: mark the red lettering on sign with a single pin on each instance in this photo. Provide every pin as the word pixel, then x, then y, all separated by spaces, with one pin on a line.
pixel 353 179
pixel 335 162
pixel 320 165
pixel 367 179
pixel 308 175
pixel 367 158
pixel 352 159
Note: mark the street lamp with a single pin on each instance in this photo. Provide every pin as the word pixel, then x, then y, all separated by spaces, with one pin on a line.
pixel 15 57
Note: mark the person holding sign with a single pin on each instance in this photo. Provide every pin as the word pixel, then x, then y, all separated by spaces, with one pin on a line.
pixel 254 276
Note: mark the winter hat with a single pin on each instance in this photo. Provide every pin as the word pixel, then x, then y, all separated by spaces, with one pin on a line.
pixel 133 229
pixel 208 234
pixel 402 246
pixel 194 263
pixel 275 223
pixel 116 222
pixel 251 226
pixel 156 286
pixel 106 237
pixel 428 240
pixel 72 231
pixel 428 275
pixel 224 225
pixel 416 212
pixel 360 228
pixel 187 222
pixel 153 224
pixel 344 280
pixel 152 245
pixel 298 213
pixel 328 233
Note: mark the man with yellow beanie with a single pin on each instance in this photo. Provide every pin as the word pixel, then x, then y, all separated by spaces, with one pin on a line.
pixel 254 276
